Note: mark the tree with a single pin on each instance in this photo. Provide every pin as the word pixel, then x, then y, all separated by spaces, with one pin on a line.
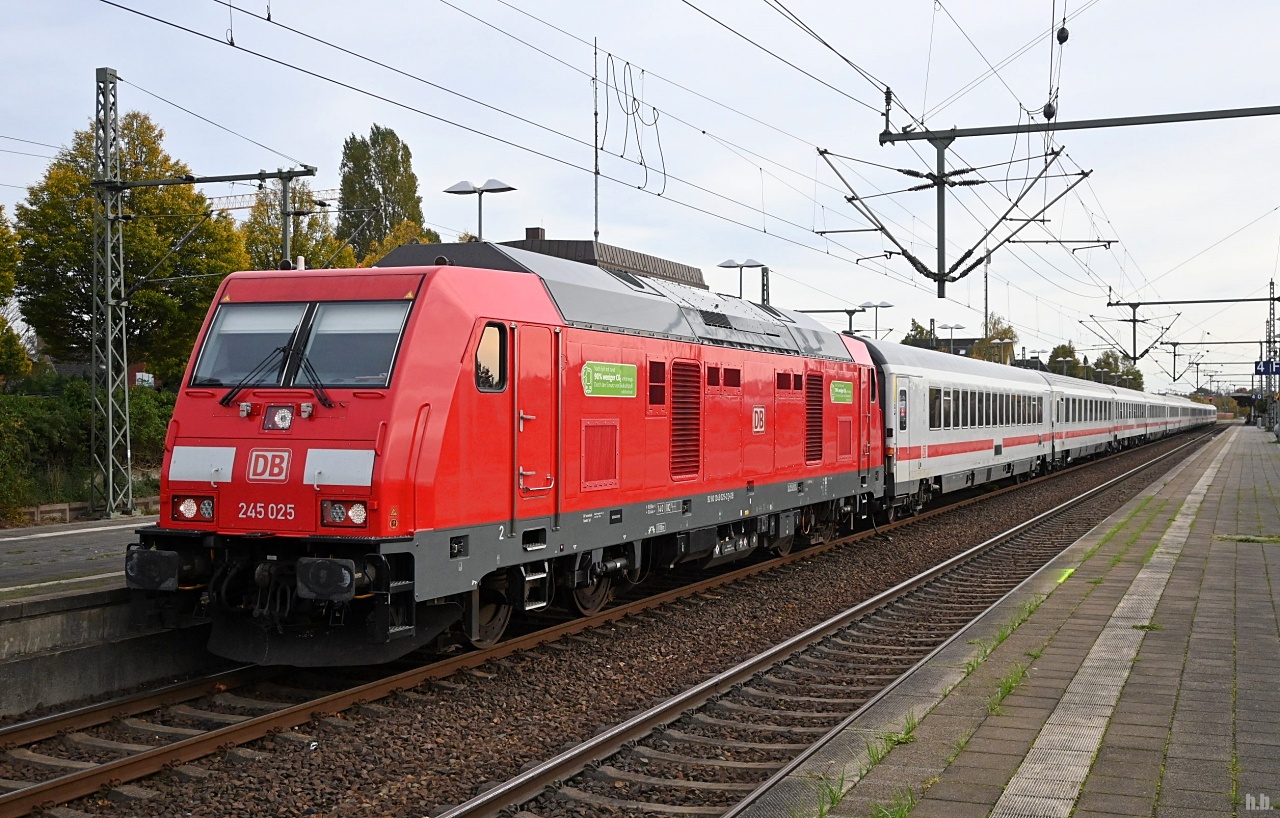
pixel 55 239
pixel 998 330
pixel 310 235
pixel 919 336
pixel 406 232
pixel 1110 367
pixel 377 173
pixel 9 256
pixel 14 362
pixel 1069 367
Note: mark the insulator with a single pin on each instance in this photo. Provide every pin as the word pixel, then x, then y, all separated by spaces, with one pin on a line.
pixel 1063 34
pixel 1050 111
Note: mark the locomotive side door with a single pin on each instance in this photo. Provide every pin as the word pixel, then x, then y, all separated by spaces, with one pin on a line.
pixel 535 423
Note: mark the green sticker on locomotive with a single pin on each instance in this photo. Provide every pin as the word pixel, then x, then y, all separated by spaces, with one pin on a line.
pixel 606 380
pixel 841 392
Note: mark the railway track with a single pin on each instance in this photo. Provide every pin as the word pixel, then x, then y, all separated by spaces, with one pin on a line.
pixel 704 751
pixel 104 747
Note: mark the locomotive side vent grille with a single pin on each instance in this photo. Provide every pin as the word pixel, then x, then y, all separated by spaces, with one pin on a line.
pixel 813 418
pixel 686 420
pixel 599 454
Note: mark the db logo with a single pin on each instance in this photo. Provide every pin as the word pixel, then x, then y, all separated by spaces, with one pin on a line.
pixel 757 420
pixel 269 465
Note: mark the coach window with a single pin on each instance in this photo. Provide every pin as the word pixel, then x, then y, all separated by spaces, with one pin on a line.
pixel 491 359
pixel 947 405
pixel 935 408
pixel 964 408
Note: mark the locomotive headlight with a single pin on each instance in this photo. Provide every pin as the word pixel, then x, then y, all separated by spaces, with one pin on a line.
pixel 357 513
pixel 344 513
pixel 278 418
pixel 337 512
pixel 185 509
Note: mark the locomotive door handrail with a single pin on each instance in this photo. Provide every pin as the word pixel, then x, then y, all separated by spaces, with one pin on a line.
pixel 516 478
pixel 559 428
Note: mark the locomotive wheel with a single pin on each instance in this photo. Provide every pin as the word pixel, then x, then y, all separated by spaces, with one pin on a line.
pixel 784 545
pixel 589 599
pixel 495 615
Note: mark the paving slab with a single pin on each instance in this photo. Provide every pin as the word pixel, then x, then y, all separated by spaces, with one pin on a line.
pixel 1155 688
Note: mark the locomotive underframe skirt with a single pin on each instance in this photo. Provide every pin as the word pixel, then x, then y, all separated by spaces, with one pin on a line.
pixel 472 552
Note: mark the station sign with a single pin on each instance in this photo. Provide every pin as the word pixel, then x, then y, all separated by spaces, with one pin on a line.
pixel 1266 368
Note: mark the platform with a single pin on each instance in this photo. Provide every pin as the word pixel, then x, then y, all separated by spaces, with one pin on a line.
pixel 1143 681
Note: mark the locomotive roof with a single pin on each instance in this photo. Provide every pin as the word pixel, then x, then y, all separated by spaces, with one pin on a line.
pixel 617 301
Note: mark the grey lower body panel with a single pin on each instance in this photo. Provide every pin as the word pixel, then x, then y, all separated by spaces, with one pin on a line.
pixel 479 550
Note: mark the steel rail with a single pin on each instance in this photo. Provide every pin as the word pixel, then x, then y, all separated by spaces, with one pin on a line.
pixel 533 781
pixel 93 715
pixel 794 764
pixel 85 782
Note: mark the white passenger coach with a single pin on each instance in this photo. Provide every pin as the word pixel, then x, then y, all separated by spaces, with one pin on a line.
pixel 953 422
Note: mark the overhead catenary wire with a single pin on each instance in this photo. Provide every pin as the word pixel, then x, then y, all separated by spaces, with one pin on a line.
pixel 683 204
pixel 445 120
pixel 779 57
pixel 211 122
pixel 33 142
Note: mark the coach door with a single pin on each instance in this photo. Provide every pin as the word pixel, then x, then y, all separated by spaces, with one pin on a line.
pixel 535 429
pixel 899 420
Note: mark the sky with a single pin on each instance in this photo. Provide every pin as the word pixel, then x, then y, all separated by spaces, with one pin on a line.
pixel 711 117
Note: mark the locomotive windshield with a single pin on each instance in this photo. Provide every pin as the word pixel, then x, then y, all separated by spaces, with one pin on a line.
pixel 242 338
pixel 354 344
pixel 319 344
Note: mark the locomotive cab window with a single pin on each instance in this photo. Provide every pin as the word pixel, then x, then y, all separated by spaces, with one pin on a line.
pixel 491 359
pixel 247 339
pixel 334 344
pixel 353 343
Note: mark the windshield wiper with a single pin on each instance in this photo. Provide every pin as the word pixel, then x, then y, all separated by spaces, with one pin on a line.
pixel 321 394
pixel 226 399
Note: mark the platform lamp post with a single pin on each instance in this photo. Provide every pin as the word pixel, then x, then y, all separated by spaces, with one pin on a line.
pixel 730 264
pixel 867 305
pixel 1003 345
pixel 1064 360
pixel 953 328
pixel 1038 353
pixel 465 188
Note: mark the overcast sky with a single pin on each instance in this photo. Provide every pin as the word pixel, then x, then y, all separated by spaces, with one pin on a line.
pixel 491 89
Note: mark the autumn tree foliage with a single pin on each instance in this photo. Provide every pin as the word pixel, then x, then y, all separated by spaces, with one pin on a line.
pixel 406 232
pixel 14 361
pixel 311 231
pixel 170 294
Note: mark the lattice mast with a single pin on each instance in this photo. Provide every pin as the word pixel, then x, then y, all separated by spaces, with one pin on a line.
pixel 111 488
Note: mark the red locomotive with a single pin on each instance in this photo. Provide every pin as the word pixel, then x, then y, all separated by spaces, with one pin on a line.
pixel 361 460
